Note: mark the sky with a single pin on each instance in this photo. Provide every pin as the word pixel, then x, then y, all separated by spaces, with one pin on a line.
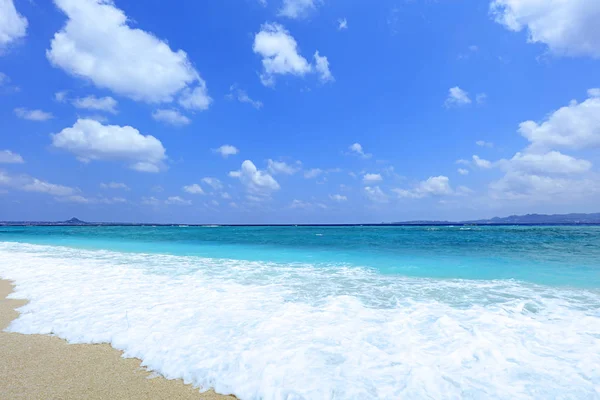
pixel 298 111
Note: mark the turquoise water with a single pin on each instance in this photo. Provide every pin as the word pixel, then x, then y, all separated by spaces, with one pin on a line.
pixel 549 255
pixel 338 313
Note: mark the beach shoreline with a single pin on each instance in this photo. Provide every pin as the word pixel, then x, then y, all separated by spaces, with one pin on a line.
pixel 43 366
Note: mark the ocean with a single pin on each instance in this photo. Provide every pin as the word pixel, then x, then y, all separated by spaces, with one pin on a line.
pixel 382 312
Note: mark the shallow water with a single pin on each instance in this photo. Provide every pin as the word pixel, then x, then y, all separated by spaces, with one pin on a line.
pixel 326 313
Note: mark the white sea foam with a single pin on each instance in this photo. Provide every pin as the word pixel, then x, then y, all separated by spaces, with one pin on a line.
pixel 268 331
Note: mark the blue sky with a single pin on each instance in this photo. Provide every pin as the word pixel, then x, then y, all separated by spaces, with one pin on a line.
pixel 297 111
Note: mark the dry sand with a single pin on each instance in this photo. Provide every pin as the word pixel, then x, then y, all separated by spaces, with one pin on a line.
pixel 46 367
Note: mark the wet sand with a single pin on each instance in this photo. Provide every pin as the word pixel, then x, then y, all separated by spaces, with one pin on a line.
pixel 46 367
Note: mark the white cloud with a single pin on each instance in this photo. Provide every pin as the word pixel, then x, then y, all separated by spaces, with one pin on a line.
pixel 150 201
pixel 8 157
pixel 342 24
pixel 463 162
pixel 313 173
pixel 91 200
pixel 299 204
pixel 375 194
pixel 371 178
pixel 36 185
pixel 536 188
pixel 213 183
pixel 481 98
pixel 322 67
pixel 434 186
pixel 256 181
pixel 90 140
pixel 13 25
pixel 463 171
pixel 30 184
pixel 107 103
pixel 457 97
pixel 114 185
pixel 280 167
pixel 97 44
pixel 567 27
pixel 171 117
pixel 193 189
pixel 279 51
pixel 357 148
pixel 33 115
pixel 552 162
pixel 4 78
pixel 338 197
pixel 196 98
pixel 481 163
pixel 241 96
pixel 61 96
pixel 280 56
pixel 297 8
pixel 483 143
pixel 178 201
pixel 226 150
pixel 575 126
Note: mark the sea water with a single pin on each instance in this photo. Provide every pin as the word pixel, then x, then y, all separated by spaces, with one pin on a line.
pixel 325 312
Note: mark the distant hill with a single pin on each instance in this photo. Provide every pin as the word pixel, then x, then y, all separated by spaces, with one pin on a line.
pixel 521 219
pixel 542 219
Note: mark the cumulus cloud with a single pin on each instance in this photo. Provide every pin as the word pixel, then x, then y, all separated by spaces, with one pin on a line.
pixel 434 186
pixel 240 95
pixel 322 67
pixel 13 25
pixel 114 185
pixel 177 201
pixel 567 27
pixel 481 163
pixel 297 8
pixel 256 181
pixel 226 150
pixel 171 117
pixel 575 126
pixel 97 44
pixel 357 149
pixel 281 167
pixel 193 189
pixel 91 200
pixel 279 51
pixel 338 197
pixel 8 157
pixel 150 201
pixel 313 173
pixel 33 115
pixel 375 194
pixel 107 103
pixel 552 162
pixel 89 140
pixel 463 171
pixel 281 56
pixel 342 24
pixel 516 185
pixel 371 178
pixel 457 97
pixel 483 143
pixel 213 183
pixel 30 184
pixel 299 204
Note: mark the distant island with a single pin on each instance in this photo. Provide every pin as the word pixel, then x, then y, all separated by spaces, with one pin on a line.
pixel 528 219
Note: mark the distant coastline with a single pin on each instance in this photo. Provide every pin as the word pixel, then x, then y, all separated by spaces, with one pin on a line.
pixel 527 219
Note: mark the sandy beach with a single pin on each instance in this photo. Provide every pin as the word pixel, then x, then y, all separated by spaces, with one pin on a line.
pixel 46 367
